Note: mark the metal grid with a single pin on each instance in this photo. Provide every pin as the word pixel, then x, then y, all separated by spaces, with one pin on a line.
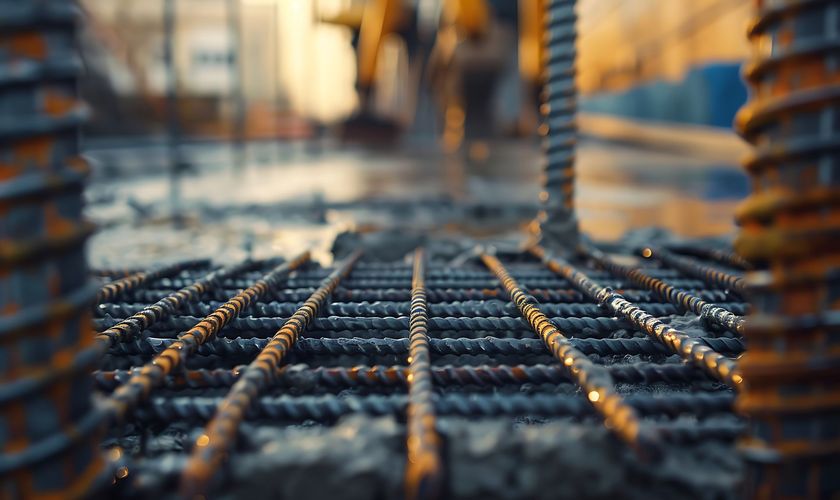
pixel 283 345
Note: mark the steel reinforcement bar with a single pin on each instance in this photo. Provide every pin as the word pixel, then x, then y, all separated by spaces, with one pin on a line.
pixel 220 434
pixel 721 256
pixel 341 377
pixel 690 348
pixel 367 346
pixel 255 327
pixel 153 374
pixel 116 288
pixel 328 408
pixel 467 309
pixel 423 465
pixel 130 328
pixel 691 267
pixel 709 312
pixel 594 380
pixel 434 296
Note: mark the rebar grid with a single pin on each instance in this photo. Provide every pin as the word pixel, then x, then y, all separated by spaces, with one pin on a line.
pixel 128 396
pixel 593 379
pixel 220 434
pixel 690 348
pixel 710 312
pixel 116 288
pixel 707 273
pixel 139 321
pixel 419 354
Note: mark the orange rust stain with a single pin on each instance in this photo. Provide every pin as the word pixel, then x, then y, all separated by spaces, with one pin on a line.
pixel 56 104
pixel 30 45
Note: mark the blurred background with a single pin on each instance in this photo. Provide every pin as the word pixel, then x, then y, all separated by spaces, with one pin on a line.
pixel 230 127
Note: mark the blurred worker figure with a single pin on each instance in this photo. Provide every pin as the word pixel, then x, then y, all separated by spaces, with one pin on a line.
pixel 458 48
pixel 469 56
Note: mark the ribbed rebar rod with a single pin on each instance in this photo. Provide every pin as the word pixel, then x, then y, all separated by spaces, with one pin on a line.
pixel 594 380
pixel 680 298
pixel 328 408
pixel 368 346
pixel 423 467
pixel 468 309
pixel 727 258
pixel 341 377
pixel 153 374
pixel 558 224
pixel 220 434
pixel 133 326
pixel 483 284
pixel 116 288
pixel 690 348
pixel 434 296
pixel 691 267
pixel 255 327
pixel 114 273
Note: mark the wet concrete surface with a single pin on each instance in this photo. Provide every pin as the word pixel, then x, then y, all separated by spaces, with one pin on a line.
pixel 294 196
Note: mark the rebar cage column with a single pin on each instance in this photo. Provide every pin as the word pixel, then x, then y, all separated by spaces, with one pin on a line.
pixel 790 227
pixel 49 430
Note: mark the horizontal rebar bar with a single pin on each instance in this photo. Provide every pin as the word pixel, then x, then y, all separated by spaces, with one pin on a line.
pixel 329 408
pixel 128 396
pixel 593 379
pixel 433 295
pixel 690 348
pixel 368 376
pixel 470 308
pixel 710 312
pixel 399 346
pixel 253 327
pixel 487 283
pixel 220 435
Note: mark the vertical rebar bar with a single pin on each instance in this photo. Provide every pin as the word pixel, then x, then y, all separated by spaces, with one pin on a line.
pixel 558 223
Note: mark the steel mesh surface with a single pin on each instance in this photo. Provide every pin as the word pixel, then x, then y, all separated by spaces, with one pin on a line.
pixel 351 360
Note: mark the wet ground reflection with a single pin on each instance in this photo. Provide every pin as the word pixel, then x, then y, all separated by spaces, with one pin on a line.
pixel 291 197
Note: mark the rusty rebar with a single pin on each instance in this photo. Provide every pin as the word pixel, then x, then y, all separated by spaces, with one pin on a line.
pixel 220 433
pixel 697 269
pixel 423 466
pixel 116 288
pixel 728 258
pixel 594 380
pixel 49 427
pixel 790 230
pixel 154 373
pixel 133 326
pixel 689 348
pixel 680 298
